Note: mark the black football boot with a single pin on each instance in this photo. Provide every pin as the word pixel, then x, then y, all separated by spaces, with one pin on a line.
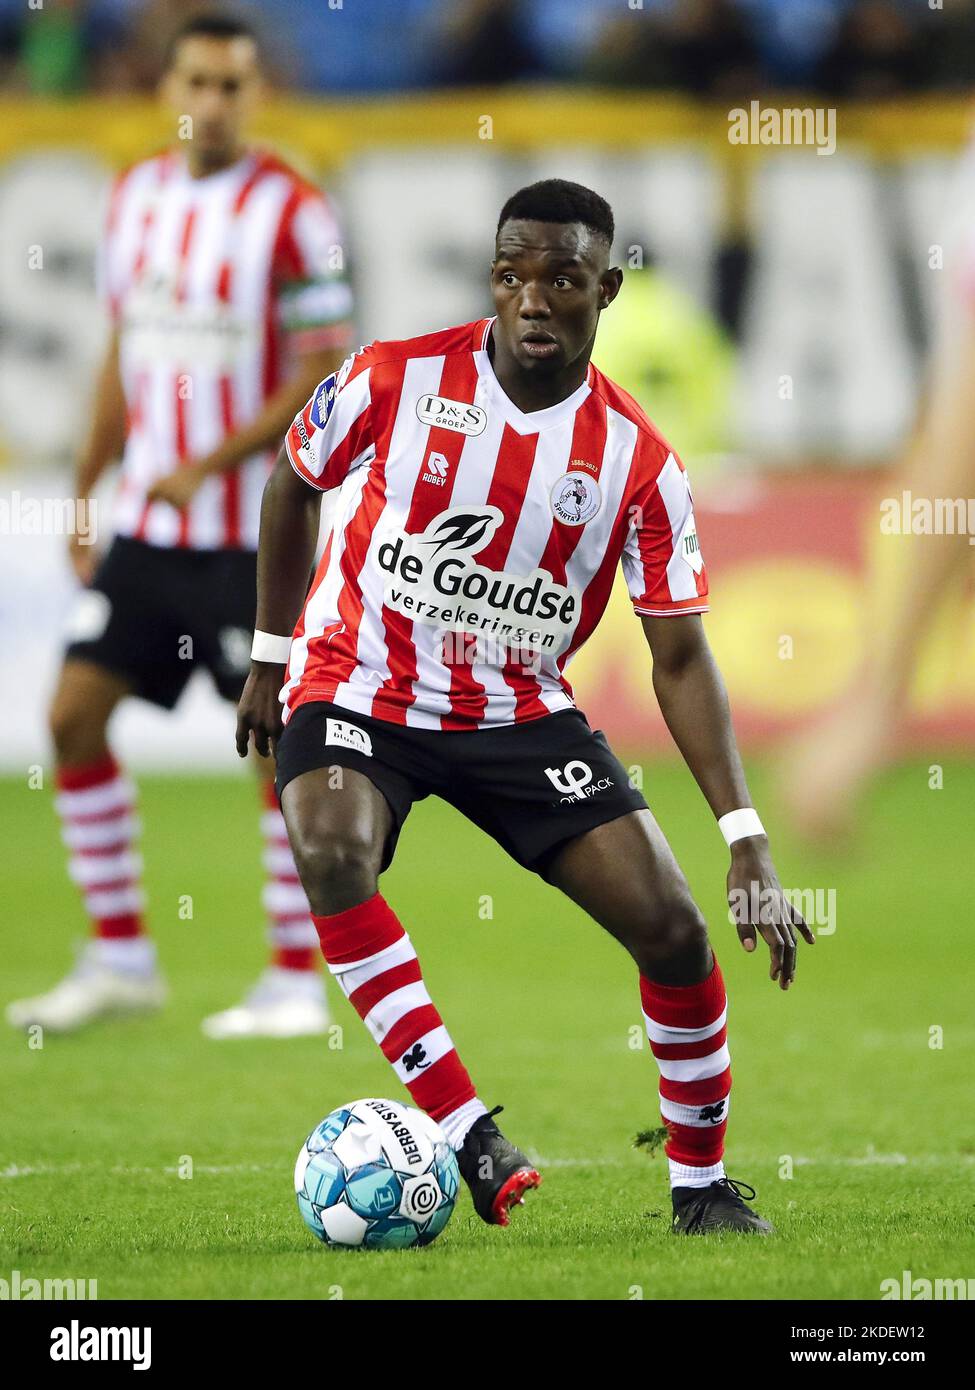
pixel 700 1210
pixel 495 1171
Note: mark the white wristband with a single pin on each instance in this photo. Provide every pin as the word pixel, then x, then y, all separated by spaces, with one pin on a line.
pixel 736 825
pixel 269 647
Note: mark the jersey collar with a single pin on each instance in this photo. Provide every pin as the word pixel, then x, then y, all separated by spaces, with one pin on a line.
pixel 523 422
pixel 240 168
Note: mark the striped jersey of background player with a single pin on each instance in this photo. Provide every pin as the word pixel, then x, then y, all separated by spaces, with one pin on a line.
pixel 222 271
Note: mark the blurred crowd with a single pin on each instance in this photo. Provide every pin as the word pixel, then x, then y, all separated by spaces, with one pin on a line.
pixel 725 49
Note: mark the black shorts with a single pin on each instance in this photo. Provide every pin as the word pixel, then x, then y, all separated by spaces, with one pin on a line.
pixel 157 615
pixel 531 786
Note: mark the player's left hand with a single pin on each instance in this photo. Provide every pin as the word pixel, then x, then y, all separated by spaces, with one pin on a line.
pixel 179 488
pixel 758 903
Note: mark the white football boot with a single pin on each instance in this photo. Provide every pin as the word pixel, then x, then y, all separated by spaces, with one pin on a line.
pixel 95 988
pixel 283 1004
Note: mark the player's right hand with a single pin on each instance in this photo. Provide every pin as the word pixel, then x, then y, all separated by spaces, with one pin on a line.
pixel 259 710
pixel 82 558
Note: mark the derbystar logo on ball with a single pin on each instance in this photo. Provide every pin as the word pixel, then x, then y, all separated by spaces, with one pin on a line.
pixel 434 579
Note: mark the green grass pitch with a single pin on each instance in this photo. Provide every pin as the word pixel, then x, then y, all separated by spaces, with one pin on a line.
pixel 837 1081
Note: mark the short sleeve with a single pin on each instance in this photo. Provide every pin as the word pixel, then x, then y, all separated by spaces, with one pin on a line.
pixel 313 290
pixel 661 559
pixel 332 434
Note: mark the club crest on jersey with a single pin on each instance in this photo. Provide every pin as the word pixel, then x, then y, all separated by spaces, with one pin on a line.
pixel 451 415
pixel 575 499
pixel 433 578
pixel 324 400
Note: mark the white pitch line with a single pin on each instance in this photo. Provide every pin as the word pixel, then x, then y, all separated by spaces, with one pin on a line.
pixel 880 1160
pixel 868 1160
pixel 15 1170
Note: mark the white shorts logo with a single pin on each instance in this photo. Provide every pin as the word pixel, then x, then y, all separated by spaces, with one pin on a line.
pixel 570 779
pixel 575 499
pixel 348 736
pixel 235 648
pixel 575 781
pixel 89 616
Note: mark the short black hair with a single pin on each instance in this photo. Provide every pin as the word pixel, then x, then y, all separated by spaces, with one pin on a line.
pixel 559 200
pixel 210 24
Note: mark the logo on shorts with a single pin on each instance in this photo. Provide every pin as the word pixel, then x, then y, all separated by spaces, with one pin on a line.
pixel 235 649
pixel 89 617
pixel 459 416
pixel 575 781
pixel 575 499
pixel 348 736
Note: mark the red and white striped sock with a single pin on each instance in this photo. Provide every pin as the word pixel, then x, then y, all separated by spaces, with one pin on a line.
pixel 374 962
pixel 291 931
pixel 687 1029
pixel 96 804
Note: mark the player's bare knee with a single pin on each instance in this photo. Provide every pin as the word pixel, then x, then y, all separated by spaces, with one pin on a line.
pixel 673 935
pixel 77 734
pixel 337 868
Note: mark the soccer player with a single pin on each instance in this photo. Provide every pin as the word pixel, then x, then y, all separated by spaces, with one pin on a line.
pixel 222 272
pixel 489 480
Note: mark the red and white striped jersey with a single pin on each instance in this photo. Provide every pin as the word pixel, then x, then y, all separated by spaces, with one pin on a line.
pixel 214 284
pixel 473 546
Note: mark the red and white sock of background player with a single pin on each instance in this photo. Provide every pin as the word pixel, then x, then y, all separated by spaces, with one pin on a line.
pixel 374 962
pixel 687 1029
pixel 291 931
pixel 96 804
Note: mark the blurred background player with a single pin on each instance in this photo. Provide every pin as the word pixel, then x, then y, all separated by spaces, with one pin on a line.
pixel 222 270
pixel 826 770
